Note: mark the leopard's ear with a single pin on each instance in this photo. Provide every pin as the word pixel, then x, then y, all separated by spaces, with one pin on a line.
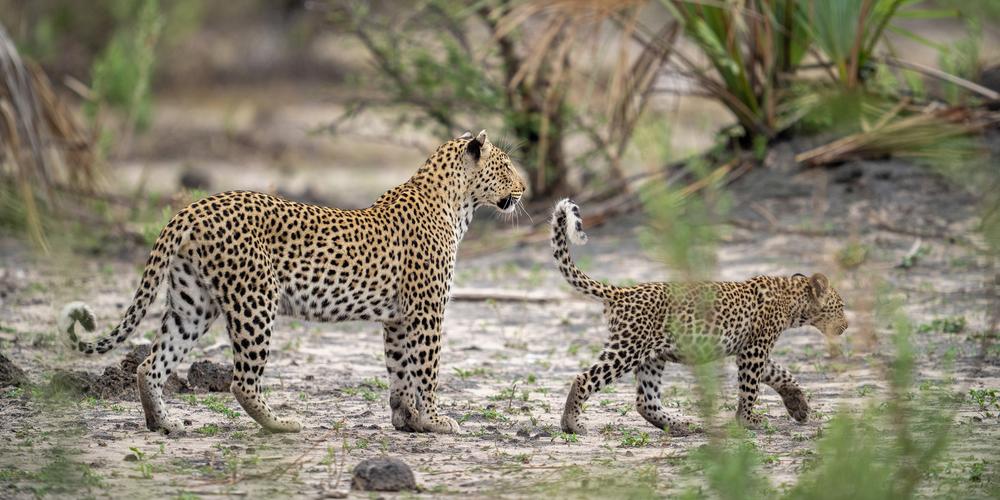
pixel 466 136
pixel 818 286
pixel 475 147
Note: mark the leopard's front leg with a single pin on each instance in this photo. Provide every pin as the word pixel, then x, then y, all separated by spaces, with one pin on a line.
pixel 427 332
pixel 412 353
pixel 398 362
pixel 782 381
pixel 751 366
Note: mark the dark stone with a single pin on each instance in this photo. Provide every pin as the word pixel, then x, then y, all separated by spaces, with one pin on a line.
pixel 990 78
pixel 383 474
pixel 212 377
pixel 11 374
pixel 195 178
pixel 848 175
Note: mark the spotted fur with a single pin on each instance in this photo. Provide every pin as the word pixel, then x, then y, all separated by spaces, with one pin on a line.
pixel 653 323
pixel 248 257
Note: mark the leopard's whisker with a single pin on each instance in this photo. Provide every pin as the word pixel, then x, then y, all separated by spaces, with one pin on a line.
pixel 525 210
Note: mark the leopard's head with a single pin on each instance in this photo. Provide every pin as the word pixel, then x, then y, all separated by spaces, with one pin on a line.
pixel 823 307
pixel 493 180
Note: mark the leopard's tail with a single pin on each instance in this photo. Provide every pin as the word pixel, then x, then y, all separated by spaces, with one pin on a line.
pixel 566 224
pixel 167 244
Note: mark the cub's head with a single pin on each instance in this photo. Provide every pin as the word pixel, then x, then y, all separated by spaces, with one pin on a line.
pixel 493 180
pixel 823 308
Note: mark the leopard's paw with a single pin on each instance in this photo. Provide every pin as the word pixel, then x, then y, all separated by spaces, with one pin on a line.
pixel 440 424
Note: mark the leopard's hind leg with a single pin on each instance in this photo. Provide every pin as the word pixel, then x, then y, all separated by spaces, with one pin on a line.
pixel 649 376
pixel 190 312
pixel 250 315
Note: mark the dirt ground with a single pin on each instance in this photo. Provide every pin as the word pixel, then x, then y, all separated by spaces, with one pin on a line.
pixel 506 364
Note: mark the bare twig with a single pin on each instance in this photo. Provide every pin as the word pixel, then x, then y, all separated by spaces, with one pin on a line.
pixel 941 75
pixel 498 295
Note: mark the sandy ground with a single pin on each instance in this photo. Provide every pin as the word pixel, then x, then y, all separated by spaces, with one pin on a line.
pixel 507 365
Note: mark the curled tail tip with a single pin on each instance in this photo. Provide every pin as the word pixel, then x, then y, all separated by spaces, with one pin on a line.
pixel 574 223
pixel 71 314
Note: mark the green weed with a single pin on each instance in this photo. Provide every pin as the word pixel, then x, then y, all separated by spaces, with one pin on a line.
pixel 953 324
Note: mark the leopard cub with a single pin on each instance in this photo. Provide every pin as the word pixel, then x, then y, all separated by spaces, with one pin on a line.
pixel 652 323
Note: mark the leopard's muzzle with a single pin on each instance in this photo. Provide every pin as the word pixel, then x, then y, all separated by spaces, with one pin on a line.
pixel 507 203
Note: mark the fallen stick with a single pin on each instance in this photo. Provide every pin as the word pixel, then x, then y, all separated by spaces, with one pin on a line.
pixel 500 295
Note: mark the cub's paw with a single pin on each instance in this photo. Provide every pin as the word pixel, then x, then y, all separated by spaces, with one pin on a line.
pixel 281 426
pixel 681 429
pixel 172 427
pixel 573 426
pixel 796 404
pixel 751 421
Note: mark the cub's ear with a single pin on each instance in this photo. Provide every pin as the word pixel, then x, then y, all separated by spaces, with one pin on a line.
pixel 466 136
pixel 818 285
pixel 475 147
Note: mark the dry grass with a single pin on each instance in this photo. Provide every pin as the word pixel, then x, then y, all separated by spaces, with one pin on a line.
pixel 43 146
pixel 924 135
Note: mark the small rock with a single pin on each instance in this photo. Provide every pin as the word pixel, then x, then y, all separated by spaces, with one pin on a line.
pixel 383 474
pixel 212 377
pixel 848 175
pixel 195 178
pixel 11 374
pixel 131 458
pixel 543 433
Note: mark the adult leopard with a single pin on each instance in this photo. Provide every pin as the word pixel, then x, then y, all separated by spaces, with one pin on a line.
pixel 652 323
pixel 249 256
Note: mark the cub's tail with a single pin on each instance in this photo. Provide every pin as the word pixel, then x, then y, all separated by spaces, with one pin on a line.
pixel 566 223
pixel 165 248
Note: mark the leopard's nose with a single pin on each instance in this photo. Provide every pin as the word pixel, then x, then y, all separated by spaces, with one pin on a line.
pixel 505 202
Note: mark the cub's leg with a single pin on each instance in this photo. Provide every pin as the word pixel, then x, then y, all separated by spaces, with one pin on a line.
pixel 402 391
pixel 647 400
pixel 782 381
pixel 750 364
pixel 611 365
pixel 190 312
